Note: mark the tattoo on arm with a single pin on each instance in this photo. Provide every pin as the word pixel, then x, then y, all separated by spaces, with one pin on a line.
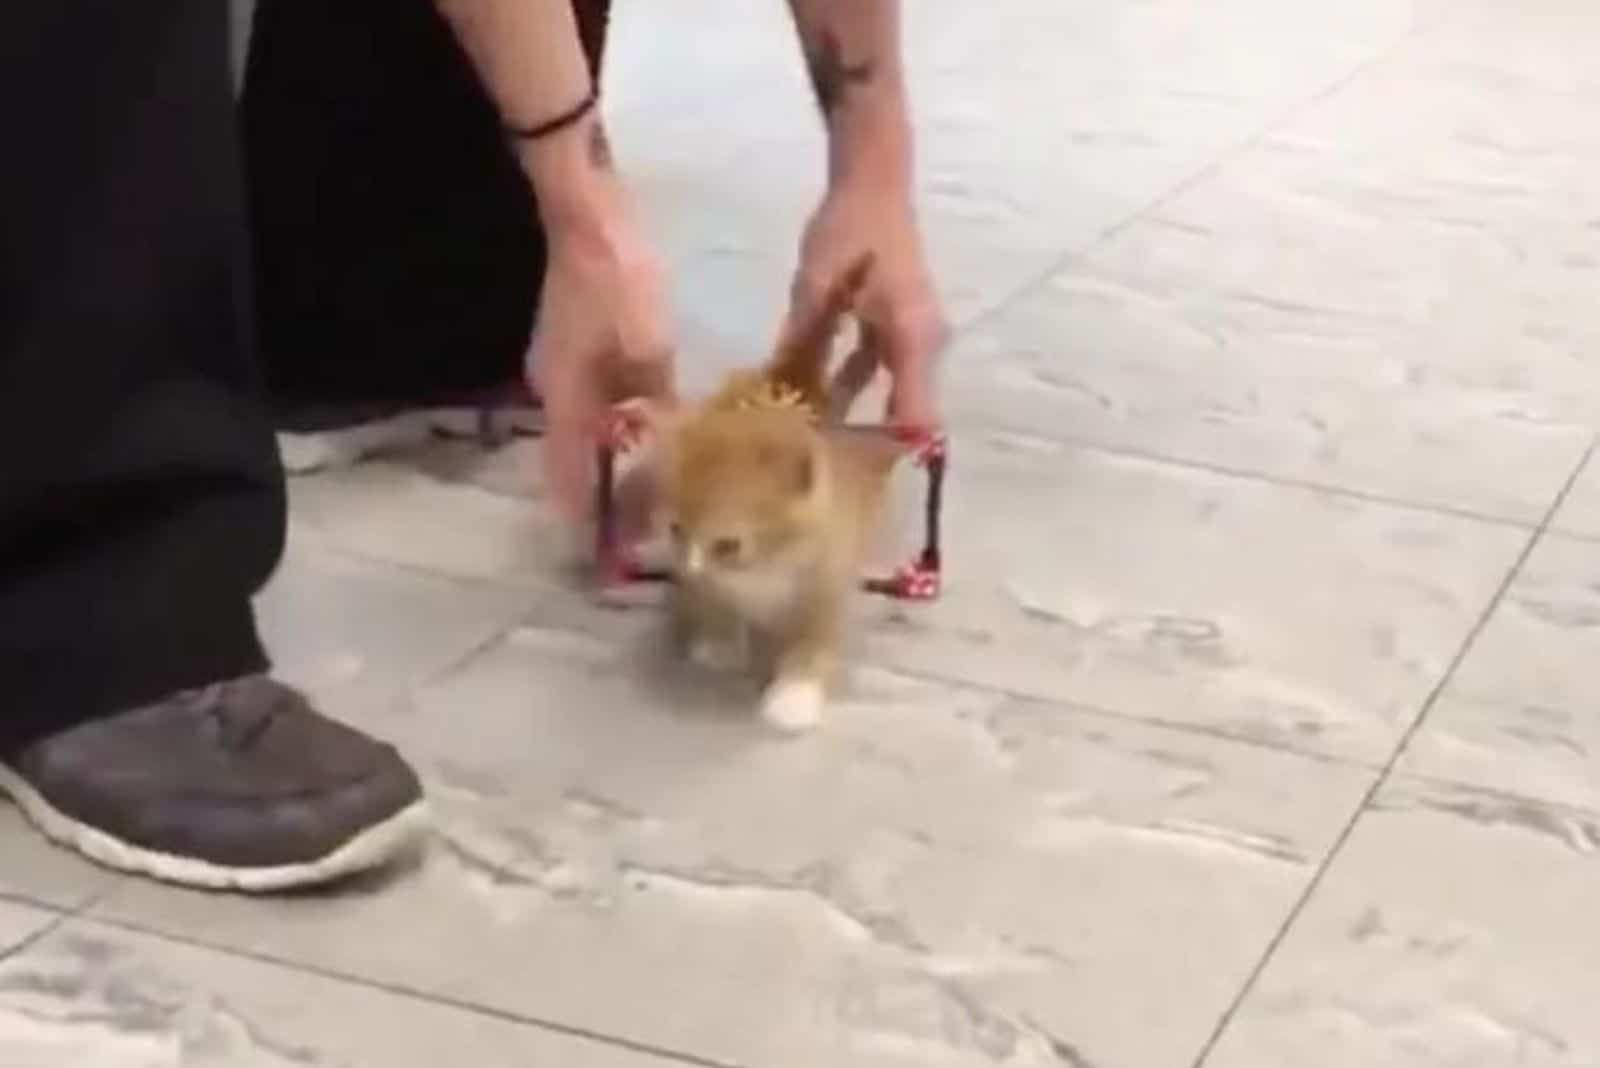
pixel 831 76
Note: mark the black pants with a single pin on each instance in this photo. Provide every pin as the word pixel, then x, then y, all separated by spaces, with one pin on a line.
pixel 141 500
pixel 141 503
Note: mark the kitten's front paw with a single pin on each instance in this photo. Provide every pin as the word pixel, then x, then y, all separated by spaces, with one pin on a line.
pixel 715 654
pixel 793 705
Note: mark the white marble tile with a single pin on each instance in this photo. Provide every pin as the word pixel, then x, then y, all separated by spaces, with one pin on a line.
pixel 1454 931
pixel 1040 122
pixel 940 876
pixel 1169 367
pixel 334 622
pixel 1287 616
pixel 1519 713
pixel 1158 591
pixel 18 922
pixel 1390 293
pixel 93 995
pixel 31 869
pixel 450 509
pixel 1579 513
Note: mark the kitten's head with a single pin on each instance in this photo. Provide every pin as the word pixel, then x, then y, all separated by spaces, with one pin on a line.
pixel 745 491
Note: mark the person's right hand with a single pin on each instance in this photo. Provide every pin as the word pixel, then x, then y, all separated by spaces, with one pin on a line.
pixel 603 332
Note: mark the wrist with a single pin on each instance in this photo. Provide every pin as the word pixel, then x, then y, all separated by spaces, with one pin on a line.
pixel 573 183
pixel 870 139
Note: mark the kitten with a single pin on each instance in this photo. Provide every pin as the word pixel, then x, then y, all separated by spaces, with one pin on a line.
pixel 771 511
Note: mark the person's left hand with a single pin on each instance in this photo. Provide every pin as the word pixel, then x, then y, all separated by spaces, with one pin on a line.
pixel 903 324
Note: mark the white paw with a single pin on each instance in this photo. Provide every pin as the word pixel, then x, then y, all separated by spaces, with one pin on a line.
pixel 717 655
pixel 793 705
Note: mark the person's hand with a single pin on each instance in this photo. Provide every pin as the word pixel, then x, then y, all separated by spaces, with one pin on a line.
pixel 902 324
pixel 603 334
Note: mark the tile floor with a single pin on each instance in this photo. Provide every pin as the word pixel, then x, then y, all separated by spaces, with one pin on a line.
pixel 1254 729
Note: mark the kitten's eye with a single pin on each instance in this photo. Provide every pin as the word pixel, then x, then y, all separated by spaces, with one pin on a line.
pixel 676 530
pixel 726 549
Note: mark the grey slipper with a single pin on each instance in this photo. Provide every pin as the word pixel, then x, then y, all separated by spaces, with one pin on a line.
pixel 240 785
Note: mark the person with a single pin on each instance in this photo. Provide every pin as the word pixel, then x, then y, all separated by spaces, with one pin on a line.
pixel 142 503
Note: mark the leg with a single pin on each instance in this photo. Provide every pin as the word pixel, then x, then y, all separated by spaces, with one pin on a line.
pixel 807 660
pixel 142 503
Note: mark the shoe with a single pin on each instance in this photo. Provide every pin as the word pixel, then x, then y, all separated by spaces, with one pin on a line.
pixel 236 786
pixel 316 437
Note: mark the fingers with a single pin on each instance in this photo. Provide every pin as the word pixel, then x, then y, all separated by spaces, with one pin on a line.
pixel 820 297
pixel 853 376
pixel 572 411
pixel 913 334
pixel 643 364
pixel 579 393
pixel 637 493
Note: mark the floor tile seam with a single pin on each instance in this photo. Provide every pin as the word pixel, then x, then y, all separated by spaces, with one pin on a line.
pixel 1243 474
pixel 355 980
pixel 463 660
pixel 24 899
pixel 15 950
pixel 1536 536
pixel 60 918
pixel 1386 775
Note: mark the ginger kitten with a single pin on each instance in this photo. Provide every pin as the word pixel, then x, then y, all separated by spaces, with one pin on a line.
pixel 771 512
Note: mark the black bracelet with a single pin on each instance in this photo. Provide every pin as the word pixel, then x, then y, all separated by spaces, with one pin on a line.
pixel 555 125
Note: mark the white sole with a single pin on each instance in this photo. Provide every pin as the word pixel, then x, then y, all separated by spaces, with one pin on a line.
pixel 370 849
pixel 307 454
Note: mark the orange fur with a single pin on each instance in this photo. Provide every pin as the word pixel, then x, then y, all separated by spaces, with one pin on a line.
pixel 771 511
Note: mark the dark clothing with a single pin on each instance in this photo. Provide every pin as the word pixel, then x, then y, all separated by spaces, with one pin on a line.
pixel 141 499
pixel 141 503
pixel 397 251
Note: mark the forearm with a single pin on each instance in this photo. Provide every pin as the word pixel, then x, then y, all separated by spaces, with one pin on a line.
pixel 530 58
pixel 853 55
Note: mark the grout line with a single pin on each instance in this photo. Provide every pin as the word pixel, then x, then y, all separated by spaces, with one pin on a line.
pixel 59 919
pixel 17 897
pixel 411 993
pixel 1330 489
pixel 455 664
pixel 1388 771
pixel 1534 539
pixel 33 938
